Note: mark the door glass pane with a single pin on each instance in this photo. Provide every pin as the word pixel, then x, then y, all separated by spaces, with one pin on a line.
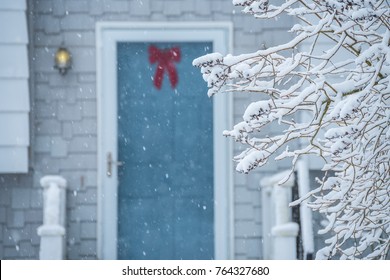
pixel 165 138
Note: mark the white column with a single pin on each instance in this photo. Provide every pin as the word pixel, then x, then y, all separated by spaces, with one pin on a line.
pixel 52 232
pixel 306 212
pixel 268 222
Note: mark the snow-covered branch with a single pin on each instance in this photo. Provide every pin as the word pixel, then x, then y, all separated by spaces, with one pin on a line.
pixel 343 87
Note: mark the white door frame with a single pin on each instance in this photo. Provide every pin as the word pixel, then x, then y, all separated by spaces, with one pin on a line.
pixel 108 34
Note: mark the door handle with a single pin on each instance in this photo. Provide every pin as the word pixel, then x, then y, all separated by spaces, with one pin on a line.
pixel 110 163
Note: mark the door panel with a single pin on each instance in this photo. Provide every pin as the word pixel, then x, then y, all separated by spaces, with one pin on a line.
pixel 165 139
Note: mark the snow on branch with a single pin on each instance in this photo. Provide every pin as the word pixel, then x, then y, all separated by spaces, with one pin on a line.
pixel 345 90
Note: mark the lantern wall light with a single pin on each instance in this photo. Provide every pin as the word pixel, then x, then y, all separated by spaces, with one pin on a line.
pixel 62 60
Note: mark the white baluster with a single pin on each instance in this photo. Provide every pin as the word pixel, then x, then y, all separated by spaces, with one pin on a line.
pixel 52 232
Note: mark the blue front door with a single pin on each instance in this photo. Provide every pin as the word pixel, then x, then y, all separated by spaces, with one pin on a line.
pixel 165 139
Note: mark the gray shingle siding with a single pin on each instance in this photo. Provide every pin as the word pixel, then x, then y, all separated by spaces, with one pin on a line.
pixel 65 127
pixel 18 218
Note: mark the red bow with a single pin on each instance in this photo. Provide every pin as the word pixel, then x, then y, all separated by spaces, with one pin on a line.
pixel 165 60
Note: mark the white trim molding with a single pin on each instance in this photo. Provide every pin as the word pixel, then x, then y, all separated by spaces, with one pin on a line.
pixel 14 85
pixel 108 34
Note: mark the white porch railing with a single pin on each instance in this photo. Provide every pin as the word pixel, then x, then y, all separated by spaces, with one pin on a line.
pixel 52 232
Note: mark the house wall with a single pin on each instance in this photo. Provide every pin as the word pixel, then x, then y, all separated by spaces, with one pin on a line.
pixel 64 136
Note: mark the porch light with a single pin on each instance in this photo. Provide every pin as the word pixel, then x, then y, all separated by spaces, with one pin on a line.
pixel 63 60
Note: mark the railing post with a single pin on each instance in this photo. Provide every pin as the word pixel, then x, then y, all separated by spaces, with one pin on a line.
pixel 279 232
pixel 52 232
pixel 285 231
